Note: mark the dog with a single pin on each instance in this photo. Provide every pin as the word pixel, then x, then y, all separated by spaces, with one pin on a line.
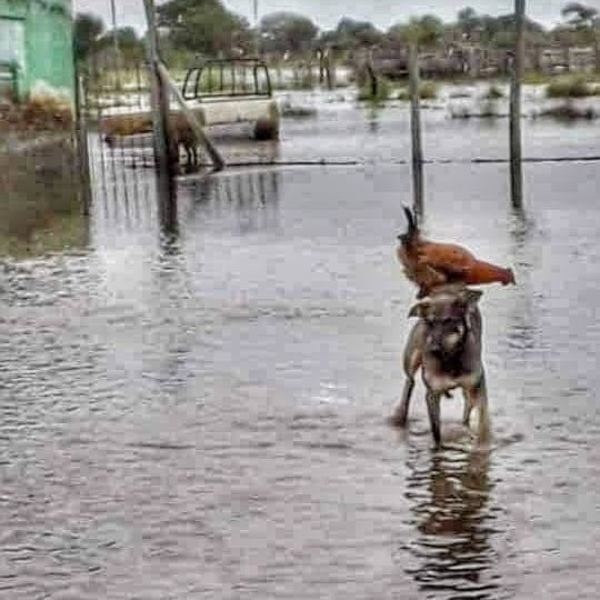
pixel 181 135
pixel 445 344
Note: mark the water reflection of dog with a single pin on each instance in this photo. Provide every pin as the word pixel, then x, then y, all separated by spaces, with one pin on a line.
pixel 450 506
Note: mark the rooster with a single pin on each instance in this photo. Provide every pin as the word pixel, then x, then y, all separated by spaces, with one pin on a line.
pixel 431 264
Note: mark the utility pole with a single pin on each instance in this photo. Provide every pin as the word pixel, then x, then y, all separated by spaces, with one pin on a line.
pixel 163 148
pixel 517 65
pixel 415 128
pixel 116 48
pixel 256 29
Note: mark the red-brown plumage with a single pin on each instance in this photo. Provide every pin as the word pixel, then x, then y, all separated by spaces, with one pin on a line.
pixel 431 264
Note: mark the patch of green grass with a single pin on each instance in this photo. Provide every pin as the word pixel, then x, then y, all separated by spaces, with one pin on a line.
pixel 382 94
pixel 428 90
pixel 536 78
pixel 494 92
pixel 571 87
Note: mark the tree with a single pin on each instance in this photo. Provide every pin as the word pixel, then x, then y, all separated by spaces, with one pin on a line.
pixel 585 22
pixel 130 47
pixel 87 29
pixel 351 33
pixel 580 15
pixel 425 31
pixel 286 31
pixel 497 31
pixel 468 20
pixel 203 26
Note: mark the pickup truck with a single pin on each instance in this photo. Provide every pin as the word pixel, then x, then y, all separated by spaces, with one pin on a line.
pixel 233 91
pixel 219 92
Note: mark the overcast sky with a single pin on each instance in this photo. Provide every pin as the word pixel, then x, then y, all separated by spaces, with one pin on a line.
pixel 326 13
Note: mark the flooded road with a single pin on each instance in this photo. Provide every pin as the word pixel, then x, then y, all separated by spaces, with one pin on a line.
pixel 194 405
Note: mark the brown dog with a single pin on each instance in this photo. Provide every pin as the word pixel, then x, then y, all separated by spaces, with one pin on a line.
pixel 446 344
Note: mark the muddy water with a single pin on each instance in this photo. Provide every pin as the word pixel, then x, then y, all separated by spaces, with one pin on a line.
pixel 193 406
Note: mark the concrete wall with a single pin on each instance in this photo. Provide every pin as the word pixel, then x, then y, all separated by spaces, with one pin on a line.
pixel 46 62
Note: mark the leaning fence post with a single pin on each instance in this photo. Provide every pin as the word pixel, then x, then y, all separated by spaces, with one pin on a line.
pixel 516 166
pixel 159 99
pixel 415 128
pixel 191 119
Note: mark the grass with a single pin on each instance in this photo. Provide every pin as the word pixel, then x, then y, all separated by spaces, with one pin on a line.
pixel 568 112
pixel 38 114
pixel 459 95
pixel 487 110
pixel 494 92
pixel 536 78
pixel 571 87
pixel 383 93
pixel 428 90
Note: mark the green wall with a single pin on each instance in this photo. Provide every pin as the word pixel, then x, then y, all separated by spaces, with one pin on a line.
pixel 48 56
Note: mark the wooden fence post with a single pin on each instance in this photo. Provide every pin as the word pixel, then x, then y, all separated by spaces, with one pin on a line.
pixel 159 100
pixel 190 117
pixel 81 135
pixel 516 155
pixel 373 81
pixel 415 129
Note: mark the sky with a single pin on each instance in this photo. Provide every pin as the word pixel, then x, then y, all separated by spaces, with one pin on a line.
pixel 326 13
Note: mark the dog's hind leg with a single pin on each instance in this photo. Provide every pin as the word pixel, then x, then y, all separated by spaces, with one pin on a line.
pixel 478 397
pixel 433 408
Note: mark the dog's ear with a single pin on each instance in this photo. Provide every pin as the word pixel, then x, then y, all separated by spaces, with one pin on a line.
pixel 470 297
pixel 419 310
pixel 474 296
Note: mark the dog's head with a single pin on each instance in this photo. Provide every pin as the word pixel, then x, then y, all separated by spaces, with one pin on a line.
pixel 448 318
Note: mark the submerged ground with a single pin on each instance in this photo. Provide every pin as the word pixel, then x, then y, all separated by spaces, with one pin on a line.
pixel 193 405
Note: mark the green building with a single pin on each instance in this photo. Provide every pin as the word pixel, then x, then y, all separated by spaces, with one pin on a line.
pixel 36 48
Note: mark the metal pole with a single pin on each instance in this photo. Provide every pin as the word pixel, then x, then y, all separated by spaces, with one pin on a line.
pixel 116 49
pixel 415 129
pixel 160 104
pixel 516 167
pixel 256 29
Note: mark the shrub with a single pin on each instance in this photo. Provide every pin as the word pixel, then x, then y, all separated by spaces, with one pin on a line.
pixel 428 90
pixel 571 87
pixel 494 92
pixel 365 93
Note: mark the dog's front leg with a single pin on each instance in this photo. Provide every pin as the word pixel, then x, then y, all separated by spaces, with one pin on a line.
pixel 467 409
pixel 400 416
pixel 433 408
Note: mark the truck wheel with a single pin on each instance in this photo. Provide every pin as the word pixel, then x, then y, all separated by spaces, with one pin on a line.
pixel 266 129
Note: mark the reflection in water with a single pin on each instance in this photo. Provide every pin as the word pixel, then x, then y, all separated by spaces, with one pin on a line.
pixel 253 196
pixel 167 207
pixel 449 495
pixel 523 323
pixel 374 119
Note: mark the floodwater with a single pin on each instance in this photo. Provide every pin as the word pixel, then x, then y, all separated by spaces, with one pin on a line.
pixel 193 403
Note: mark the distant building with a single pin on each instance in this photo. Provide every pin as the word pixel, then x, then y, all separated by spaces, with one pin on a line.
pixel 582 60
pixel 36 48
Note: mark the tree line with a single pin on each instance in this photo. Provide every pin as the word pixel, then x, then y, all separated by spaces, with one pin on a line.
pixel 208 28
